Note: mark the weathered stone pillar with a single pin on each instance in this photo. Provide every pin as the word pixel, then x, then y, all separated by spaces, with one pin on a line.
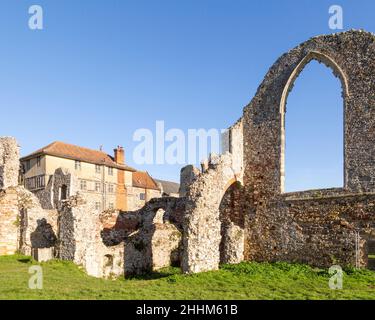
pixel 79 233
pixel 187 176
pixel 202 226
pixel 9 221
pixel 9 213
pixel 9 162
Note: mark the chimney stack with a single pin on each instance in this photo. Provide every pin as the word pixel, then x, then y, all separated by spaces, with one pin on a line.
pixel 119 155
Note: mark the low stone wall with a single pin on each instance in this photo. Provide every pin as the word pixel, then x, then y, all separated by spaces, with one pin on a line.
pixel 318 229
pixel 90 239
pixel 152 248
pixel 23 223
pixel 151 237
pixel 43 254
pixel 38 227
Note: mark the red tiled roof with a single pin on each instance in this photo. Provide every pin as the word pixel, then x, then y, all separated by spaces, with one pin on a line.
pixel 73 152
pixel 142 179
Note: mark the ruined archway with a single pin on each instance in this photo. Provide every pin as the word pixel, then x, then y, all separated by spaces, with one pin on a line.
pixel 293 226
pixel 202 234
pixel 232 221
pixel 313 116
pixel 349 55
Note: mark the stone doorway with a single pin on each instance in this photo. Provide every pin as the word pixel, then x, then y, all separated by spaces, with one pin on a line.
pixel 63 192
pixel 232 225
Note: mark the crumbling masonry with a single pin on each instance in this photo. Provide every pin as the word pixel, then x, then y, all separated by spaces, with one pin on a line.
pixel 235 207
pixel 319 227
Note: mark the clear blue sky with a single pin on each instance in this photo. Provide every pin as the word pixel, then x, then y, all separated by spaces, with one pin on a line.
pixel 102 69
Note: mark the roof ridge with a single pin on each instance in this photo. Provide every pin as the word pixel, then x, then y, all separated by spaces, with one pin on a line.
pixel 166 181
pixel 76 152
pixel 152 179
pixel 86 148
pixel 49 145
pixel 145 180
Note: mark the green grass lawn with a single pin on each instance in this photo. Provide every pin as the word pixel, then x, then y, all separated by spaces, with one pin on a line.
pixel 64 280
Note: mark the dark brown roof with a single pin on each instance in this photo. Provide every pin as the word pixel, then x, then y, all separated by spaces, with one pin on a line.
pixel 169 187
pixel 142 179
pixel 70 151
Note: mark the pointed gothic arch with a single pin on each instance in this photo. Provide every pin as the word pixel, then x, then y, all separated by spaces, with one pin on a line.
pixel 337 71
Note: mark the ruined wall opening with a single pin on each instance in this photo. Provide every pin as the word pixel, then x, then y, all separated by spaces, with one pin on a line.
pixel 63 192
pixel 313 126
pixel 43 236
pixel 159 216
pixel 232 225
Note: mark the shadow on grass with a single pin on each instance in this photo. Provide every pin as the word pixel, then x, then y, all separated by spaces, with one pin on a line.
pixel 24 260
pixel 164 273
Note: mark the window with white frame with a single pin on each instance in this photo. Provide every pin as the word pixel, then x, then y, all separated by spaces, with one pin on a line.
pixel 83 185
pixel 111 188
pixel 110 171
pixel 98 206
pixel 97 186
pixel 97 168
pixel 142 196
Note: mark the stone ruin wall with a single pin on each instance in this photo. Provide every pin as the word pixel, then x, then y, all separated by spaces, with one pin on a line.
pixel 232 142
pixel 113 243
pixel 232 220
pixel 318 226
pixel 235 208
pixel 23 222
pixel 151 237
pixel 79 238
pixel 9 162
pixel 9 211
pixel 50 197
pixel 9 219
pixel 37 227
pixel 319 229
pixel 106 244
pixel 210 235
